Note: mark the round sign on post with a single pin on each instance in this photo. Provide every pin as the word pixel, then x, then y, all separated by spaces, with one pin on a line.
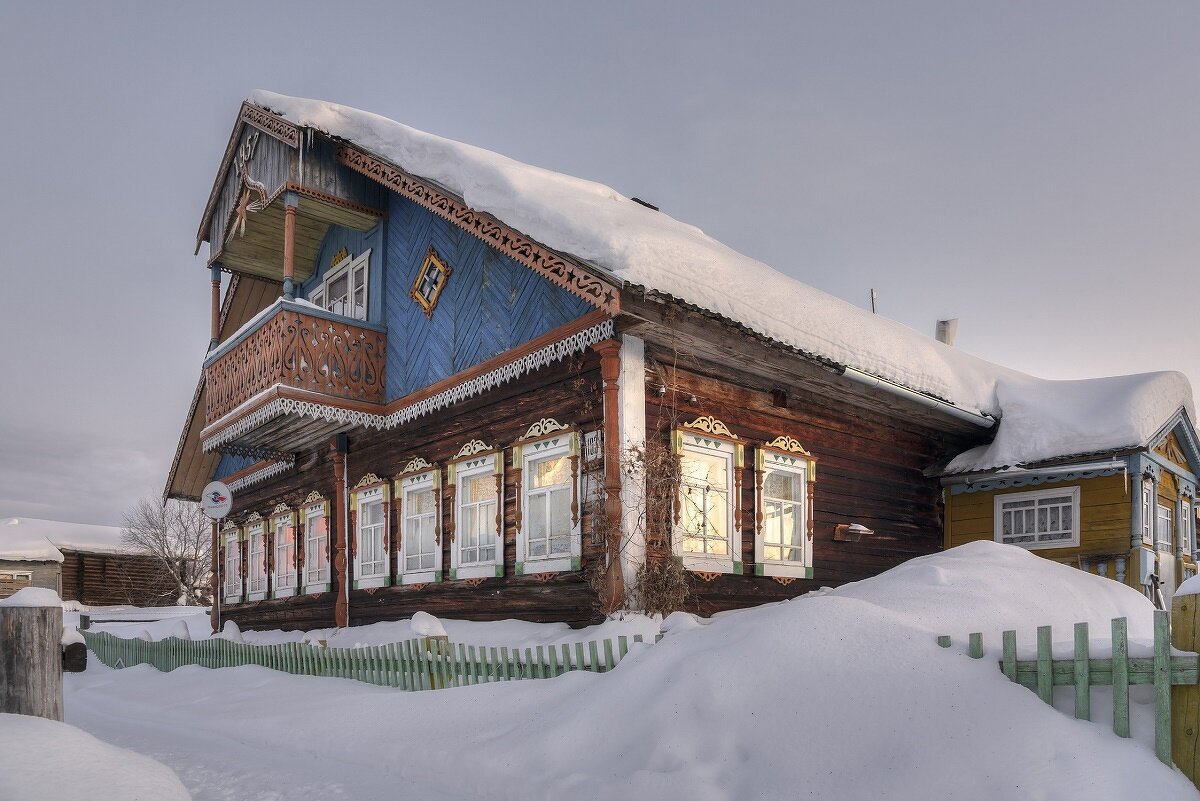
pixel 216 500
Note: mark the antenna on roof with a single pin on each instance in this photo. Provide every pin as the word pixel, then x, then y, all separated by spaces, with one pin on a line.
pixel 873 296
pixel 946 329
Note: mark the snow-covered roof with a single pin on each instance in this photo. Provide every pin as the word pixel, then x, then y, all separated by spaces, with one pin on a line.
pixel 27 539
pixel 648 248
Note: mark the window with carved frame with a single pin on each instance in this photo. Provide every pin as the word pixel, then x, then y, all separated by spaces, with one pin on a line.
pixel 476 478
pixel 316 544
pixel 343 290
pixel 369 506
pixel 256 558
pixel 284 575
pixel 546 468
pixel 232 564
pixel 1047 518
pixel 707 515
pixel 430 281
pixel 418 493
pixel 785 477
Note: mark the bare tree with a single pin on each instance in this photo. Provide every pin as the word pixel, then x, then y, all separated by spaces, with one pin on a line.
pixel 178 535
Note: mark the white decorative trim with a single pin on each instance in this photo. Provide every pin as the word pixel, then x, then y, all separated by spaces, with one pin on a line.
pixel 473 447
pixel 542 427
pixel 259 476
pixel 542 357
pixel 368 480
pixel 416 464
pixel 313 497
pixel 254 517
pixel 711 425
pixel 280 508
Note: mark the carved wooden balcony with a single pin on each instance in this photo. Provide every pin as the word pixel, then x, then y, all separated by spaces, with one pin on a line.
pixel 292 351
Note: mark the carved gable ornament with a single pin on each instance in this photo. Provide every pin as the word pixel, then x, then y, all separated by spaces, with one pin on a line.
pixel 1171 450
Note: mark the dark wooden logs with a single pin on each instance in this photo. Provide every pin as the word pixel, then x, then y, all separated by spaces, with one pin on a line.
pixel 31 659
pixel 74 657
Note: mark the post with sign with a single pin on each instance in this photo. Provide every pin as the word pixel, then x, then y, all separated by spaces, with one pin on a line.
pixel 216 502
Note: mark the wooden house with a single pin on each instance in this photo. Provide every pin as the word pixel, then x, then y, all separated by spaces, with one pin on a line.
pixel 81 562
pixel 441 380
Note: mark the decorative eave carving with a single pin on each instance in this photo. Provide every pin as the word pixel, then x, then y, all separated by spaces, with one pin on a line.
pixel 475 446
pixel 368 480
pixel 271 124
pixel 711 425
pixel 543 427
pixel 417 465
pixel 506 240
pixel 788 444
pixel 254 517
pixel 280 508
pixel 313 497
pixel 229 526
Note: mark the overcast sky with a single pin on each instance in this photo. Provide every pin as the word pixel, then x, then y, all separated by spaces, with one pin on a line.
pixel 1030 168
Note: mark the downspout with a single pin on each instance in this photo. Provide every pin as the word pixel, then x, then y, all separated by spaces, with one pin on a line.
pixel 981 419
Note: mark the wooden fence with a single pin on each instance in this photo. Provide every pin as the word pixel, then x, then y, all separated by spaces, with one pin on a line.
pixel 1084 672
pixel 426 663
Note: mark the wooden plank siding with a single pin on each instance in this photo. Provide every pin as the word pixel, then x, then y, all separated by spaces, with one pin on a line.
pixel 1105 517
pixel 869 471
pixel 102 579
pixel 490 304
pixel 568 392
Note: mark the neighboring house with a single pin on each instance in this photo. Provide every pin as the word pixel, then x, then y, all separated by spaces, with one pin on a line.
pixel 1109 490
pixel 80 562
pixel 442 380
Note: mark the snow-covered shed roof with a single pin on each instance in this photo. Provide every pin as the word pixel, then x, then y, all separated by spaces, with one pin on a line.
pixel 647 248
pixel 27 539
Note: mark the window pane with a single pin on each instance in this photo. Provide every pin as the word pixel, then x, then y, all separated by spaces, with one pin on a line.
pixel 548 472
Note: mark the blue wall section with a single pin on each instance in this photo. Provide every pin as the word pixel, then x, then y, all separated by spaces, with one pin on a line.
pixel 490 304
pixel 230 464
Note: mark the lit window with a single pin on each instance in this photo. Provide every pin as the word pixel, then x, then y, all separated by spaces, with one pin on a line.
pixel 783 541
pixel 233 566
pixel 369 503
pixel 420 524
pixel 344 288
pixel 477 478
pixel 316 547
pixel 707 534
pixel 548 528
pixel 431 280
pixel 256 563
pixel 283 580
pixel 1162 528
pixel 1041 519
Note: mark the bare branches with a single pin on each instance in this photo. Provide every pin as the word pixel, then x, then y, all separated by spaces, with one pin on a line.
pixel 178 535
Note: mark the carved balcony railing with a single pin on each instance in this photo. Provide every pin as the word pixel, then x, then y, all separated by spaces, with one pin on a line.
pixel 300 346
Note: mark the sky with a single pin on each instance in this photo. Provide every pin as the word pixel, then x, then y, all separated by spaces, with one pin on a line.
pixel 1028 168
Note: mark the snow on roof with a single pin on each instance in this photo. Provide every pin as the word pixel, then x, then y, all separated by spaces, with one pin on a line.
pixel 648 248
pixel 31 540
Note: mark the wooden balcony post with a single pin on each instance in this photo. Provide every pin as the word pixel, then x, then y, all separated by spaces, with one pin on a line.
pixel 289 245
pixel 214 326
pixel 341 609
pixel 610 371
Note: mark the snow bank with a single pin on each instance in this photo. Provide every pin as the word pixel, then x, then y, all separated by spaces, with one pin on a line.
pixel 648 248
pixel 32 596
pixel 44 760
pixel 837 694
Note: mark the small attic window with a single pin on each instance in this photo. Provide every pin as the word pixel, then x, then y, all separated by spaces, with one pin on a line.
pixel 431 279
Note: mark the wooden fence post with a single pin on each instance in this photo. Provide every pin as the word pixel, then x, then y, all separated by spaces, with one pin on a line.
pixel 1185 698
pixel 31 659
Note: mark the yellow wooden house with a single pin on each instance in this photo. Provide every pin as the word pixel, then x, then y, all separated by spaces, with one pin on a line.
pixel 1128 512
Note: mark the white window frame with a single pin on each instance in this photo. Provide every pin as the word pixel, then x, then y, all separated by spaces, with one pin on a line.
pixel 231 591
pixel 491 465
pixel 1164 521
pixel 381 572
pixel 283 582
pixel 315 581
pixel 406 487
pixel 527 455
pixel 256 568
pixel 703 444
pixel 351 267
pixel 1183 543
pixel 1037 495
pixel 1148 512
pixel 803 466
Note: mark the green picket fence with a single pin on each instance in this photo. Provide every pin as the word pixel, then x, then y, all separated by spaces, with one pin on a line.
pixel 1120 671
pixel 425 663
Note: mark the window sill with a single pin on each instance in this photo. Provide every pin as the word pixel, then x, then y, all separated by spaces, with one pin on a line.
pixel 232 599
pixel 1043 546
pixel 701 564
pixel 477 571
pixel 561 564
pixel 784 569
pixel 256 596
pixel 374 581
pixel 287 592
pixel 421 577
pixel 315 589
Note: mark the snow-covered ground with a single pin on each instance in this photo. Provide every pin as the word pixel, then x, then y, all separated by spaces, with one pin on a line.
pixel 841 694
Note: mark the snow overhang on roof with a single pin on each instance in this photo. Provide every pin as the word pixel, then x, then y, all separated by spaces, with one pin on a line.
pixel 637 245
pixel 26 539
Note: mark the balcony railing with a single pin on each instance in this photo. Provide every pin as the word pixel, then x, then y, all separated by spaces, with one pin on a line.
pixel 296 345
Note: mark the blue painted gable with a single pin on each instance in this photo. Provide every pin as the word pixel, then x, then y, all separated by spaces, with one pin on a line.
pixel 490 304
pixel 230 464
